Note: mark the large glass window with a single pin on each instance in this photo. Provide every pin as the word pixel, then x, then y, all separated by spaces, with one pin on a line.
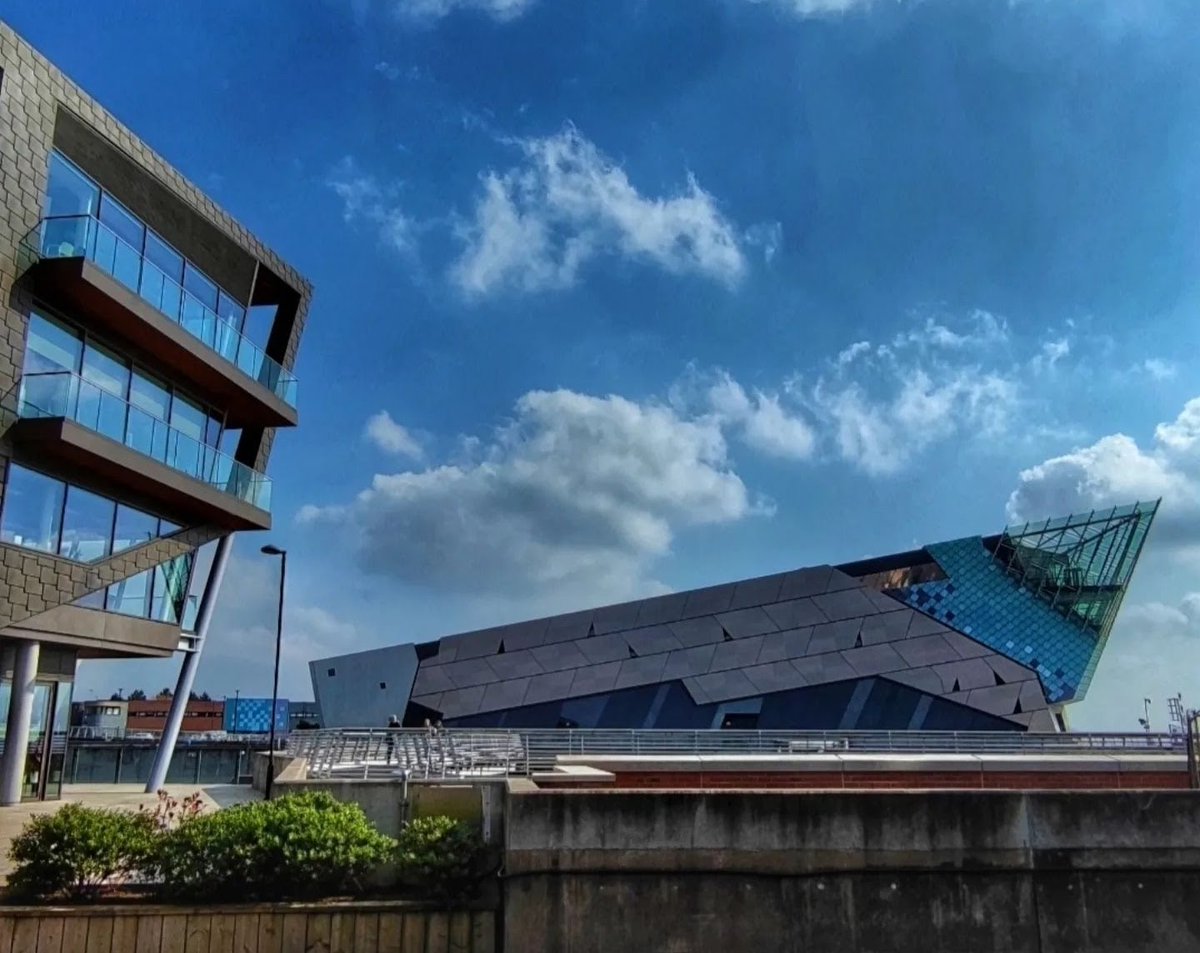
pixel 87 526
pixel 33 505
pixel 119 243
pixel 69 191
pixel 131 596
pixel 133 528
pixel 162 276
pixel 52 353
pixel 150 408
pixel 102 394
pixel 191 425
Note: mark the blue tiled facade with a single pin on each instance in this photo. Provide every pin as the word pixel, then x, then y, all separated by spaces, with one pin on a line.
pixel 981 600
pixel 249 716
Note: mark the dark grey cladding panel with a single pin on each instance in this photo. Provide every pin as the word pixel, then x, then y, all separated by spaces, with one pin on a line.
pixel 508 694
pixel 774 677
pixel 474 644
pixel 694 688
pixel 740 653
pixel 685 662
pixel 805 582
pixel 926 650
pixel 885 627
pixel 595 678
pixel 818 669
pixel 698 631
pixel 832 636
pixel 616 618
pixel 995 699
pixel 966 674
pixel 565 628
pixel 545 688
pixel 839 580
pixel 524 635
pixel 757 592
pixel 640 671
pixel 1032 696
pixel 603 648
pixel 882 601
pixel 921 624
pixel 964 645
pixel 431 680
pixel 873 659
pixel 785 645
pixel 446 652
pixel 725 686
pixel 474 671
pixel 1009 670
pixel 553 658
pixel 462 701
pixel 795 613
pixel 652 640
pixel 515 664
pixel 708 601
pixel 433 701
pixel 924 679
pixel 846 604
pixel 745 623
pixel 660 609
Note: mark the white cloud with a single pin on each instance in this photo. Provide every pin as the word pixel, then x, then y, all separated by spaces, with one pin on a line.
pixel 391 437
pixel 816 8
pixel 536 225
pixel 365 200
pixel 576 495
pixel 764 423
pixel 435 9
pixel 1115 470
pixel 1051 353
pixel 1156 369
pixel 766 235
pixel 387 70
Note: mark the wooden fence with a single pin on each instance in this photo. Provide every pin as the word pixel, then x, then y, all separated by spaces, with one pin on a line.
pixel 381 927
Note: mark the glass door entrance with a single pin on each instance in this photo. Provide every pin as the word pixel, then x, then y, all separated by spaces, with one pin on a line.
pixel 47 741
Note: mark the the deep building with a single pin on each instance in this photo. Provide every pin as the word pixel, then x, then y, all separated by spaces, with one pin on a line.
pixel 996 632
pixel 146 347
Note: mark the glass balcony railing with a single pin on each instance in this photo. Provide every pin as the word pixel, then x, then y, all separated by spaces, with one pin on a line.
pixel 64 394
pixel 82 236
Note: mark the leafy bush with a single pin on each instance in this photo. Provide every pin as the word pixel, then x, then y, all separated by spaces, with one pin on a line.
pixel 169 812
pixel 299 846
pixel 75 850
pixel 442 857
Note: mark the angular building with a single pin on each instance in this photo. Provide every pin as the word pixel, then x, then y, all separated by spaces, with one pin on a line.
pixel 146 341
pixel 996 632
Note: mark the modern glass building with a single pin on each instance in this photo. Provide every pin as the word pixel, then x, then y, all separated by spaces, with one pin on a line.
pixel 985 632
pixel 146 341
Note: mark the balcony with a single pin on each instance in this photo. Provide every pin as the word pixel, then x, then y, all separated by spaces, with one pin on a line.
pixel 63 417
pixel 80 263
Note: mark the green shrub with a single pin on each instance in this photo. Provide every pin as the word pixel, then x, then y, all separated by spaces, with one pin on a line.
pixel 71 852
pixel 297 847
pixel 442 858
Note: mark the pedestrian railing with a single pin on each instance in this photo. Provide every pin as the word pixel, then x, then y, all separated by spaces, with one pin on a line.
pixel 467 752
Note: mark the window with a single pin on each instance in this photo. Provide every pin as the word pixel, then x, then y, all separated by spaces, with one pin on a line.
pixel 102 393
pixel 133 528
pixel 150 408
pixel 131 596
pixel 87 526
pixel 119 243
pixel 33 505
pixel 69 191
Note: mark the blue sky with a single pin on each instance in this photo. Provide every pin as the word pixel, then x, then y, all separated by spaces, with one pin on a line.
pixel 620 297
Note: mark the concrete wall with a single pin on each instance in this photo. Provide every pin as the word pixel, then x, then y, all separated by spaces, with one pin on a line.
pixel 865 872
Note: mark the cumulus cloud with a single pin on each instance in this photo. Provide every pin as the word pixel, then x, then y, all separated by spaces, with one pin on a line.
pixel 1156 369
pixel 391 437
pixel 576 493
pixel 1116 470
pixel 764 423
pixel 364 199
pixel 536 225
pixel 435 9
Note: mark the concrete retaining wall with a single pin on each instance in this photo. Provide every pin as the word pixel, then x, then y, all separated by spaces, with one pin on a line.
pixel 866 872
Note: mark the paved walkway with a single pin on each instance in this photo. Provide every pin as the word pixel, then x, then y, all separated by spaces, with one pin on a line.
pixel 124 796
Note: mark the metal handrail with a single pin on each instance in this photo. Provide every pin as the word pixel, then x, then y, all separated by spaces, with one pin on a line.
pixel 472 752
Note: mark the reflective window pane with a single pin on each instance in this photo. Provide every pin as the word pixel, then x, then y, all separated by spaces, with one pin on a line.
pixel 133 528
pixel 131 596
pixel 162 274
pixel 87 526
pixel 69 191
pixel 189 422
pixel 32 510
pixel 150 407
pixel 102 396
pixel 198 285
pixel 170 589
pixel 51 346
pixel 119 242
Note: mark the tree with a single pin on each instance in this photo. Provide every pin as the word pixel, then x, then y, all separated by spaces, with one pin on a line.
pixel 116 697
pixel 164 693
pixel 137 695
pixel 205 697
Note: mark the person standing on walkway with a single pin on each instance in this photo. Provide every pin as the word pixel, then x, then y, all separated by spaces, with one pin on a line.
pixel 392 725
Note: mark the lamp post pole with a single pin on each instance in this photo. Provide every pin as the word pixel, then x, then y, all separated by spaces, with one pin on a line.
pixel 270 550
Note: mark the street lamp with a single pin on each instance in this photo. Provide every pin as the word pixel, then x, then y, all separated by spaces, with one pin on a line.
pixel 270 550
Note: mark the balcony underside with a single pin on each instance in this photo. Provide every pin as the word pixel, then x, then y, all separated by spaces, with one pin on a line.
pixel 121 471
pixel 80 288
pixel 97 634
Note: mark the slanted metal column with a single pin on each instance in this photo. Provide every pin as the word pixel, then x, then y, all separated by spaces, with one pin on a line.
pixel 20 713
pixel 187 671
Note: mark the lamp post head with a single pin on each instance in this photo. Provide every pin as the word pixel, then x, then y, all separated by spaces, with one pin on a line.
pixel 272 550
